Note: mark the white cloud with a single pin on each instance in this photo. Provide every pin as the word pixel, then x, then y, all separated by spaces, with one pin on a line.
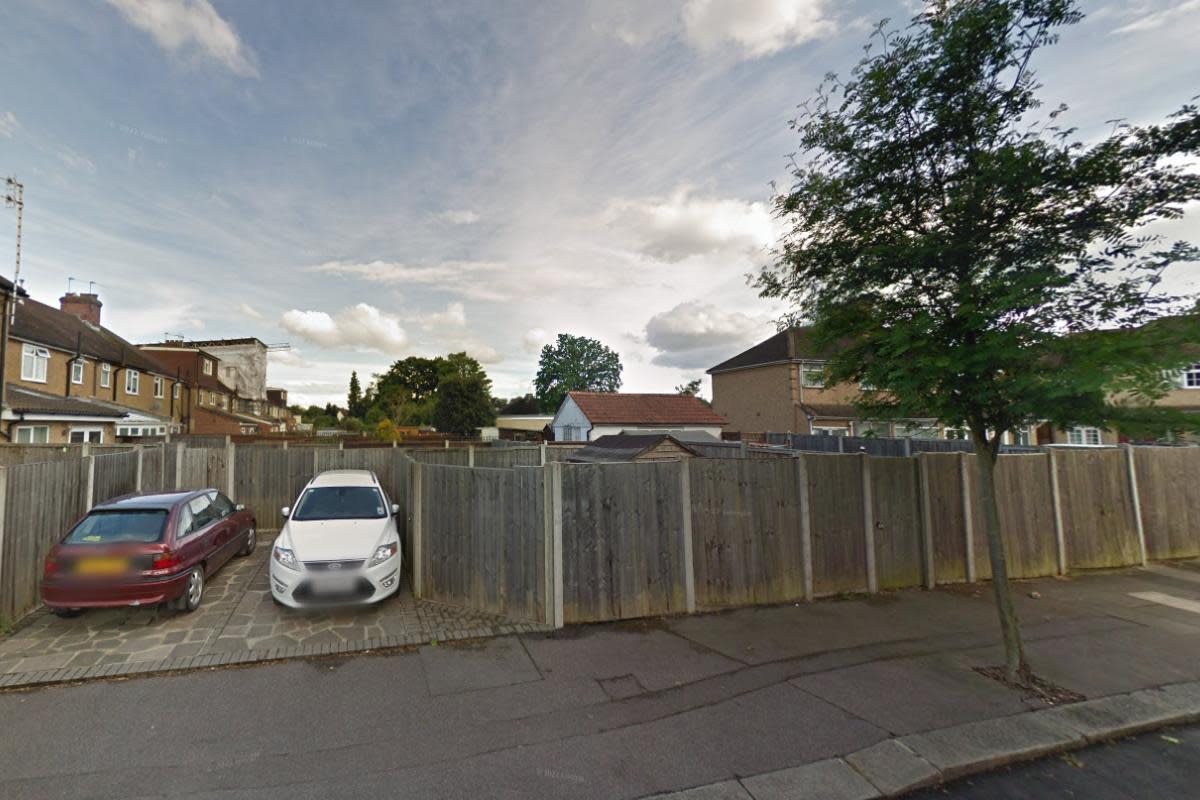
pixel 8 124
pixel 455 316
pixel 288 358
pixel 487 280
pixel 1152 20
pixel 191 26
pixel 463 216
pixel 533 340
pixel 696 335
pixel 75 160
pixel 248 310
pixel 360 327
pixel 758 27
pixel 682 225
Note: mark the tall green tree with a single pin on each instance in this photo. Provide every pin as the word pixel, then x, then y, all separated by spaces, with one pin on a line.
pixel 354 397
pixel 463 405
pixel 970 258
pixel 575 364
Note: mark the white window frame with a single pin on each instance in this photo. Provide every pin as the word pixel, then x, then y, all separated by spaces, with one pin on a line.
pixel 133 382
pixel 1191 377
pixel 1085 436
pixel 812 375
pixel 78 370
pixel 38 365
pixel 87 433
pixel 829 430
pixel 105 376
pixel 175 390
pixel 208 366
pixel 159 388
pixel 32 437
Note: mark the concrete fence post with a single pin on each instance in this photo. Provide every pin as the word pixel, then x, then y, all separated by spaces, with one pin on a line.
pixel 841 444
pixel 1135 496
pixel 445 444
pixel 285 444
pixel 743 448
pixel 805 513
pixel 542 453
pixel 341 444
pixel 85 450
pixel 417 533
pixel 179 465
pixel 470 455
pixel 556 496
pixel 964 483
pixel 926 520
pixel 685 503
pixel 89 487
pixel 137 478
pixel 1060 540
pixel 868 515
pixel 230 463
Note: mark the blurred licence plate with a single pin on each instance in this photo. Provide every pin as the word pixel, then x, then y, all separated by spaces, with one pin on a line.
pixel 101 566
pixel 333 584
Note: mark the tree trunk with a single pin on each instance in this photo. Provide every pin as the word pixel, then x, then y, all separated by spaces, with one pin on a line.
pixel 1015 668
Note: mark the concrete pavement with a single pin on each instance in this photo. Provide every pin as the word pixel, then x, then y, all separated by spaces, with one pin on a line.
pixel 737 702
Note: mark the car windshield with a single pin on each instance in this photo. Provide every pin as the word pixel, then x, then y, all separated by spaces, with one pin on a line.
pixel 340 502
pixel 126 525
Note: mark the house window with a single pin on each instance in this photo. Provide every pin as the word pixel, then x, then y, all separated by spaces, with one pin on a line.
pixel 208 367
pixel 34 362
pixel 1191 377
pixel 813 376
pixel 829 431
pixel 105 375
pixel 159 390
pixel 89 435
pixel 33 434
pixel 175 390
pixel 77 371
pixel 915 430
pixel 132 381
pixel 225 402
pixel 869 428
pixel 958 433
pixel 1083 435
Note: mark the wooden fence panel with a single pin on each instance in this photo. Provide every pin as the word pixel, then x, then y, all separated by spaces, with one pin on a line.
pixel 262 482
pixel 1169 488
pixel 895 490
pixel 1098 522
pixel 1026 507
pixel 154 469
pixel 947 526
pixel 482 530
pixel 42 501
pixel 116 475
pixel 746 531
pixel 836 510
pixel 204 468
pixel 622 541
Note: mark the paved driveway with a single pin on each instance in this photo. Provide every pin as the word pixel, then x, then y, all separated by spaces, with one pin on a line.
pixel 237 620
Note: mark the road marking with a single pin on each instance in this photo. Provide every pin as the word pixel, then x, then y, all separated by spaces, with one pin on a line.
pixel 1168 600
pixel 1174 572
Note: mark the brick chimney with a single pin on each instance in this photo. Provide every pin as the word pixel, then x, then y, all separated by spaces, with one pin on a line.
pixel 83 305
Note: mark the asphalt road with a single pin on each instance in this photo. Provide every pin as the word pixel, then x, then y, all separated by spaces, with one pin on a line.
pixel 1164 765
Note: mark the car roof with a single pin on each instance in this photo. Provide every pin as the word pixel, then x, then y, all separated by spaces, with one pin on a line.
pixel 345 477
pixel 162 500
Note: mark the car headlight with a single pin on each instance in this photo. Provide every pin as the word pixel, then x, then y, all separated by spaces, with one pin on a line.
pixel 382 554
pixel 287 558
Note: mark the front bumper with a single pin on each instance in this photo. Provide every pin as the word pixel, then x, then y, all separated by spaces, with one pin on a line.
pixel 302 589
pixel 75 593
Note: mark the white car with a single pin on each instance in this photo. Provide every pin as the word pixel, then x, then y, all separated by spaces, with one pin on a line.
pixel 338 545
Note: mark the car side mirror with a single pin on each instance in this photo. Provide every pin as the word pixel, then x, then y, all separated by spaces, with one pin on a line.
pixel 286 511
pixel 395 509
pixel 240 507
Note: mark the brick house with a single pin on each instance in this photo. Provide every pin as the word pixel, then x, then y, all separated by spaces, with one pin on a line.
pixel 586 416
pixel 69 379
pixel 778 385
pixel 209 405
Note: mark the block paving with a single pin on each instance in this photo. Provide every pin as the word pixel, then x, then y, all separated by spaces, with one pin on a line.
pixel 238 622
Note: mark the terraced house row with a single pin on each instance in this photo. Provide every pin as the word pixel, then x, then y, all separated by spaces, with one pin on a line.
pixel 67 378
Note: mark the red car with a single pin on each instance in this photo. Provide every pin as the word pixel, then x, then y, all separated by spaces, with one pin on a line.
pixel 140 550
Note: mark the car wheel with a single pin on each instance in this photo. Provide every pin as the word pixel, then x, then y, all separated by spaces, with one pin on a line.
pixel 193 591
pixel 67 613
pixel 250 543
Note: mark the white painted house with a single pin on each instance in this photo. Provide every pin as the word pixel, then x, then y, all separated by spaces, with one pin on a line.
pixel 586 416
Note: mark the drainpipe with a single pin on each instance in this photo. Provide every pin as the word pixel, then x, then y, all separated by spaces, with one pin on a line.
pixel 9 301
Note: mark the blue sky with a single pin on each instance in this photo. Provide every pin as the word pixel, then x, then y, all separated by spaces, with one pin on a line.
pixel 374 180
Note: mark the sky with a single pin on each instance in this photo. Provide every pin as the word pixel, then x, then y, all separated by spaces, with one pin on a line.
pixel 369 181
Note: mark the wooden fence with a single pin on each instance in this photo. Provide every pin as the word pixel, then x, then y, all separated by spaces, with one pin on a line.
pixel 643 539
